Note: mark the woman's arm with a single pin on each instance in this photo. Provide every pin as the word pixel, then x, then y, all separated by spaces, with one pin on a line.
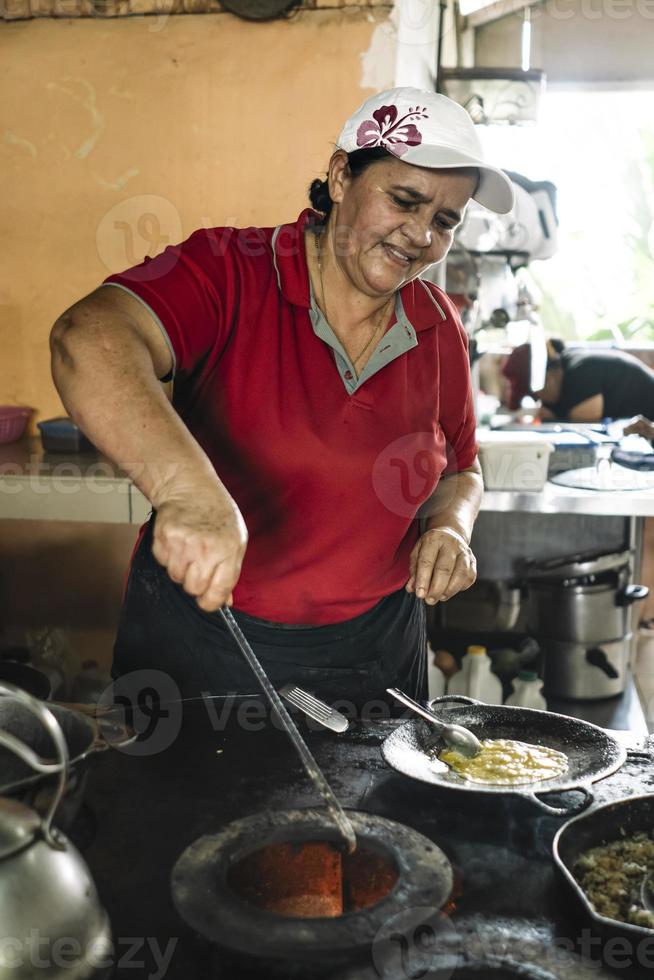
pixel 590 410
pixel 107 355
pixel 441 563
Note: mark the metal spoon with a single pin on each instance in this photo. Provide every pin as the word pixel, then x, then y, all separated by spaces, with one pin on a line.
pixel 458 738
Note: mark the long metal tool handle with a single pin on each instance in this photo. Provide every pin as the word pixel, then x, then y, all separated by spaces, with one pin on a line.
pixel 311 766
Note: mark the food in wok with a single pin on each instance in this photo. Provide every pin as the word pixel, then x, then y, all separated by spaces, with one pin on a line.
pixel 507 762
pixel 612 876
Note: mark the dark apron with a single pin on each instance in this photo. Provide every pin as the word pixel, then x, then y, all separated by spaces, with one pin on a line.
pixel 162 628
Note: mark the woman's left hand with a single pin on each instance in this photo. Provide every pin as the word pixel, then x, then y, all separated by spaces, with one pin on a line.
pixel 441 564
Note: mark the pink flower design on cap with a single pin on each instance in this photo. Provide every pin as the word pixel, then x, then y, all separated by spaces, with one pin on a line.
pixel 385 129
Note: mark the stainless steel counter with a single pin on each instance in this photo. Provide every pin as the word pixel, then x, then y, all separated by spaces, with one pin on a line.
pixel 622 713
pixel 88 487
pixel 554 499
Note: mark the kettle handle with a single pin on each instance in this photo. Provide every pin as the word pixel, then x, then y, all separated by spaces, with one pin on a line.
pixel 32 759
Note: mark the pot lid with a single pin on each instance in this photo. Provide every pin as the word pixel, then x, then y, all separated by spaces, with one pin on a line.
pixel 19 827
pixel 575 566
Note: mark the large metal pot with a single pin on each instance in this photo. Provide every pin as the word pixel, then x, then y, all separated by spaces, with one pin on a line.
pixel 584 599
pixel 583 613
pixel 586 671
pixel 592 753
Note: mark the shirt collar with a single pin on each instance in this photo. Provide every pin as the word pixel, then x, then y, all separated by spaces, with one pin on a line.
pixel 289 255
pixel 424 305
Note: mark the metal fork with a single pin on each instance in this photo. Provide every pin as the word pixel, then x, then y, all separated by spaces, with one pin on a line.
pixel 318 710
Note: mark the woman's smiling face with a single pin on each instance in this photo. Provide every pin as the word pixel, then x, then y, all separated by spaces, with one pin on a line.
pixel 394 220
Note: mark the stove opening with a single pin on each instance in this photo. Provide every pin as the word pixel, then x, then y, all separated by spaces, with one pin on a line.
pixel 312 879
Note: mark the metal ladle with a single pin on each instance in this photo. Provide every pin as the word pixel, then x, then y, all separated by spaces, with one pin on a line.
pixel 455 736
pixel 334 808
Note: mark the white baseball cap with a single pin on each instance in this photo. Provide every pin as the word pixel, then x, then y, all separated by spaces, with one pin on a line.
pixel 426 130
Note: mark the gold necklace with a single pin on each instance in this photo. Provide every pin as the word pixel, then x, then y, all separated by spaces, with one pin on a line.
pixel 380 319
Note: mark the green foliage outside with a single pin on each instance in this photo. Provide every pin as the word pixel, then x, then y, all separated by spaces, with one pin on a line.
pixel 562 278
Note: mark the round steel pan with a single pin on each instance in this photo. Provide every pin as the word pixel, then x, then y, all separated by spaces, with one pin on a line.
pixel 592 753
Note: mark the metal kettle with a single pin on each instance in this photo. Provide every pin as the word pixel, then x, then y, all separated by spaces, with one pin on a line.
pixel 52 924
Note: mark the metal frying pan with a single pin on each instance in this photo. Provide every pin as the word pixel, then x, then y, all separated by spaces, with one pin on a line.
pixel 85 736
pixel 601 826
pixel 592 753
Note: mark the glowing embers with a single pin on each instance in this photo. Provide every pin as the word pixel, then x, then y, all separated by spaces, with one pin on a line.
pixel 312 879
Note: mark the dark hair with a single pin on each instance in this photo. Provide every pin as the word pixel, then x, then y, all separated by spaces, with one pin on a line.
pixel 357 162
pixel 554 361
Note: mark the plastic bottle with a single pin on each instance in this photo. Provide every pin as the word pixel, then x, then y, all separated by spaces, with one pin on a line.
pixel 435 676
pixel 476 679
pixel 527 691
pixel 90 684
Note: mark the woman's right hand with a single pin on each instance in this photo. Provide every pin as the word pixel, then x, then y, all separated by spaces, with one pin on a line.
pixel 200 538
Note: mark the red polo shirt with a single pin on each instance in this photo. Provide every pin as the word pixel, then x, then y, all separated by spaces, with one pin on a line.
pixel 328 478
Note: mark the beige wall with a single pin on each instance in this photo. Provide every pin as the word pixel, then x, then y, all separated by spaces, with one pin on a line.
pixel 119 136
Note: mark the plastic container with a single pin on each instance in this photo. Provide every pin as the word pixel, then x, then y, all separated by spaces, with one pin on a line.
pixel 513 461
pixel 62 435
pixel 13 419
pixel 476 679
pixel 527 691
pixel 435 677
pixel 90 684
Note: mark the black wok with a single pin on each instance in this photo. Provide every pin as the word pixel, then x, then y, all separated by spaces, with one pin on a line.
pixel 592 753
pixel 601 826
pixel 84 736
pixel 27 678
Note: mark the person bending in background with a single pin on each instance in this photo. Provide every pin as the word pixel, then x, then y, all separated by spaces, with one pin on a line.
pixel 583 385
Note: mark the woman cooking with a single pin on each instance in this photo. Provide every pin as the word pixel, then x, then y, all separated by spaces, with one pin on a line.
pixel 321 405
